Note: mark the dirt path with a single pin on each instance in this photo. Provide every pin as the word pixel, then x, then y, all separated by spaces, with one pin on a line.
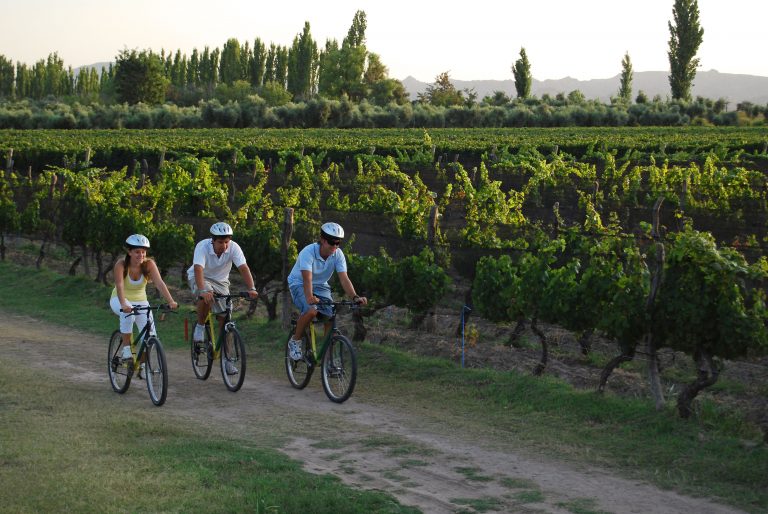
pixel 412 457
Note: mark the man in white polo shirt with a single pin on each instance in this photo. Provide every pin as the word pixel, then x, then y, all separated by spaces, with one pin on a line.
pixel 211 264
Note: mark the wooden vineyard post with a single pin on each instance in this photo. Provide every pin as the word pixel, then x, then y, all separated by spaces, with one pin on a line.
pixel 284 245
pixel 653 364
pixel 144 173
pixel 432 227
pixel 9 160
pixel 430 321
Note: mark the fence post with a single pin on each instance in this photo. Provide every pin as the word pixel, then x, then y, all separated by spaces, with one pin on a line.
pixel 464 309
pixel 653 364
pixel 285 244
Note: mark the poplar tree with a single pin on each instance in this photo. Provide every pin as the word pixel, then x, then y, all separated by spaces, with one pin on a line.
pixel 686 35
pixel 7 77
pixel 230 66
pixel 302 65
pixel 341 69
pixel 522 73
pixel 625 90
pixel 258 63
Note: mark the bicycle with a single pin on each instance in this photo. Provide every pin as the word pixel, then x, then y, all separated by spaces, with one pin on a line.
pixel 231 354
pixel 337 357
pixel 154 366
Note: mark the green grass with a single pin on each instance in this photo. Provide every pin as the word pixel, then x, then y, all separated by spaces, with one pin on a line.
pixel 473 474
pixel 704 456
pixel 581 506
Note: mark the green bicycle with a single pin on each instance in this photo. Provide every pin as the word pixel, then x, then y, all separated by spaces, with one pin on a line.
pixel 146 345
pixel 337 358
pixel 228 348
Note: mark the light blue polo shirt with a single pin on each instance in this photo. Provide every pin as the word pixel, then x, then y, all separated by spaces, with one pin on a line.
pixel 322 269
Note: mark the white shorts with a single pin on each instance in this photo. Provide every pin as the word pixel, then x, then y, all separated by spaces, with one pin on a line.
pixel 127 320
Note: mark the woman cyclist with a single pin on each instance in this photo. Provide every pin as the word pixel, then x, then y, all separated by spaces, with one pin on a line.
pixel 132 274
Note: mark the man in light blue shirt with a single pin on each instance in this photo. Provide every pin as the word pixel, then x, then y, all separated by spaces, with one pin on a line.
pixel 308 280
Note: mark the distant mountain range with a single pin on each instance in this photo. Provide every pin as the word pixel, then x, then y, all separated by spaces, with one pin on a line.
pixel 709 84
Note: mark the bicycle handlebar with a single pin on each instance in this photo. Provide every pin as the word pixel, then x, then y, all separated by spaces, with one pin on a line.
pixel 348 303
pixel 137 309
pixel 241 294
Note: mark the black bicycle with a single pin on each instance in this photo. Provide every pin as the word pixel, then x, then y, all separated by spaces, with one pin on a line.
pixel 228 348
pixel 337 357
pixel 148 357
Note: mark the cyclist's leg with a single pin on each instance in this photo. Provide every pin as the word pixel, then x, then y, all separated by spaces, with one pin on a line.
pixel 126 325
pixel 219 306
pixel 324 293
pixel 141 320
pixel 201 308
pixel 307 312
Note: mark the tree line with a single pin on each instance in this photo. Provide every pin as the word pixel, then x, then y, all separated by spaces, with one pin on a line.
pixel 240 76
pixel 279 74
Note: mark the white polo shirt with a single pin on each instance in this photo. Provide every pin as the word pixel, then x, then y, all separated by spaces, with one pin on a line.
pixel 215 267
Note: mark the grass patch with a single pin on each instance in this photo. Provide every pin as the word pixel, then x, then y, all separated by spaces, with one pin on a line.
pixel 330 444
pixel 479 504
pixel 396 446
pixel 473 474
pixel 581 506
pixel 517 483
pixel 532 496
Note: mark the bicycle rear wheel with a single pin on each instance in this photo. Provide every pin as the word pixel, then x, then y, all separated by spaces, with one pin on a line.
pixel 202 356
pixel 118 370
pixel 156 371
pixel 299 371
pixel 339 369
pixel 233 360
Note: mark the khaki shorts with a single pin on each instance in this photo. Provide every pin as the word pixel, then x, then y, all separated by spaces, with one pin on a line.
pixel 219 304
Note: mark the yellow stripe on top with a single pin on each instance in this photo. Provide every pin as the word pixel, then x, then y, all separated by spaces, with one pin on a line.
pixel 135 291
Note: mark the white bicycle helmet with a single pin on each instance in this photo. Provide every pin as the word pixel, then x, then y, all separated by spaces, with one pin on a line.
pixel 332 230
pixel 137 240
pixel 221 229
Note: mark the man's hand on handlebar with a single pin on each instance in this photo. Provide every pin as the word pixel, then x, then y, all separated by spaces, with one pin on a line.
pixel 206 296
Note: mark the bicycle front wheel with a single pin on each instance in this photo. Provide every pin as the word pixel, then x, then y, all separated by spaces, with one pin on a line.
pixel 156 371
pixel 119 370
pixel 202 356
pixel 233 360
pixel 339 369
pixel 299 371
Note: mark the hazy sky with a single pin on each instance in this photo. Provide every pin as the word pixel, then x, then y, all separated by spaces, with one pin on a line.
pixel 475 40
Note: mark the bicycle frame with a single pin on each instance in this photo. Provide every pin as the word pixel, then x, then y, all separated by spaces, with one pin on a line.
pixel 227 348
pixel 226 324
pixel 326 340
pixel 139 343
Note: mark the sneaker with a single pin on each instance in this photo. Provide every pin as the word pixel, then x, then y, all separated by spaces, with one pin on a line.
pixel 126 353
pixel 231 369
pixel 294 349
pixel 199 333
pixel 142 372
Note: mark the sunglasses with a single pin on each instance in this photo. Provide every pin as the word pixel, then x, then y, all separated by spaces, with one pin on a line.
pixel 334 242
